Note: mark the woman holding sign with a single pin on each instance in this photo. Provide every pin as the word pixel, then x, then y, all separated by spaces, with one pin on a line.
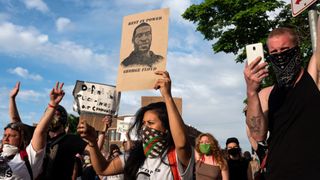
pixel 163 150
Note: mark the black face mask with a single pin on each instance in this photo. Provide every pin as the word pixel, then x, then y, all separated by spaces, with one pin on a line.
pixel 234 151
pixel 286 66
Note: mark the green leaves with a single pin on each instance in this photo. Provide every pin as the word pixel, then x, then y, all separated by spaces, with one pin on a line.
pixel 236 23
pixel 73 123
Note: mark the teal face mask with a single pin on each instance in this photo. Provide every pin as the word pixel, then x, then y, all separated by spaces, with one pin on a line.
pixel 204 148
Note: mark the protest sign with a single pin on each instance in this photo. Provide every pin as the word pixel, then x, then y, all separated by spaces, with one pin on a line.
pixel 145 100
pixel 143 49
pixel 122 127
pixel 93 101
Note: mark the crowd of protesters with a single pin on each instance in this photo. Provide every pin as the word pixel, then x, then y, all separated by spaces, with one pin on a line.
pixel 282 121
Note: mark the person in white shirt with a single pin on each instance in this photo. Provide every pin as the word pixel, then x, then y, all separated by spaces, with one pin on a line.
pixel 13 163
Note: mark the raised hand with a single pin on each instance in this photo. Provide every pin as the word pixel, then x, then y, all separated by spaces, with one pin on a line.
pixel 254 74
pixel 87 132
pixel 107 120
pixel 56 94
pixel 14 92
pixel 164 83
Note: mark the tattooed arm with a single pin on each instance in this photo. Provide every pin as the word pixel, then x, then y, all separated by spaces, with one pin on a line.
pixel 257 114
pixel 256 119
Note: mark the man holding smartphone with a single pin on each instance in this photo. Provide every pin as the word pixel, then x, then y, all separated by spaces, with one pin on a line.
pixel 289 109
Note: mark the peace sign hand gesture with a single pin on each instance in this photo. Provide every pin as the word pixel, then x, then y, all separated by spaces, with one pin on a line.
pixel 56 94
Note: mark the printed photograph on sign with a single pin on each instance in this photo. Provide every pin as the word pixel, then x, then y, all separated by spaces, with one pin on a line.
pixel 143 50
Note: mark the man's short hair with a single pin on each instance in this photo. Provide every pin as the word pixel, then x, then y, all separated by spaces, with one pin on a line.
pixel 285 30
pixel 135 29
pixel 232 140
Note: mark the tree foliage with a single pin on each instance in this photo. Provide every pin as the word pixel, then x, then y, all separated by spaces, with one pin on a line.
pixel 73 123
pixel 236 23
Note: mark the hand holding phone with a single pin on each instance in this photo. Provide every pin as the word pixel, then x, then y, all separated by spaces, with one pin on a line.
pixel 253 51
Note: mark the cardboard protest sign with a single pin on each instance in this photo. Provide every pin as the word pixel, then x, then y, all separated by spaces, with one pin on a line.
pixel 122 127
pixel 146 100
pixel 94 120
pixel 143 49
pixel 94 100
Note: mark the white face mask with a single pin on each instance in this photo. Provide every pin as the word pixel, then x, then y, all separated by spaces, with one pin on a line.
pixel 9 150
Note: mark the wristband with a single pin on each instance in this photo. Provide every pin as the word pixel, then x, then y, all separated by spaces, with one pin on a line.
pixel 51 106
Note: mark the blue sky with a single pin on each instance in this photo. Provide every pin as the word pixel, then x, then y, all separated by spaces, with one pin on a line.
pixel 44 41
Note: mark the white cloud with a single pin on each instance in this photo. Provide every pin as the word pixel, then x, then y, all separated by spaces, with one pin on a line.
pixel 31 95
pixel 24 73
pixel 137 3
pixel 18 40
pixel 177 7
pixel 62 23
pixel 36 4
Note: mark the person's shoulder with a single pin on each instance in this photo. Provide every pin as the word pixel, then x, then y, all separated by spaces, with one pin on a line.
pixel 130 60
pixel 155 56
pixel 126 61
pixel 265 92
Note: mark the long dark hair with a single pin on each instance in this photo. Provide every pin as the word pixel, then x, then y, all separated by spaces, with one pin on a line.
pixel 136 157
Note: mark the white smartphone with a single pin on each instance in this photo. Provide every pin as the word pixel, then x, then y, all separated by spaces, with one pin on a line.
pixel 253 51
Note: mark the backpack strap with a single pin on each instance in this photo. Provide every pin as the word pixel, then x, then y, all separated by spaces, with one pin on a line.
pixel 173 163
pixel 24 157
pixel 264 162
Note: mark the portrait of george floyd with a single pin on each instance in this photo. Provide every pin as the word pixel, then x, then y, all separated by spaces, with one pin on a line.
pixel 143 51
pixel 141 54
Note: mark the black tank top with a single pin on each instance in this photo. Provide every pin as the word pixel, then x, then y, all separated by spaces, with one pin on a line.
pixel 294 125
pixel 238 169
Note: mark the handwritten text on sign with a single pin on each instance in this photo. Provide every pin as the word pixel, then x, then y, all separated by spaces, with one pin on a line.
pixel 95 98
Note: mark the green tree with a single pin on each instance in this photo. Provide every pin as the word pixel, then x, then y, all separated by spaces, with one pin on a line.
pixel 235 23
pixel 73 123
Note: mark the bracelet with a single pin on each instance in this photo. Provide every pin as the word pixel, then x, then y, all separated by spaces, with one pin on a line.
pixel 51 106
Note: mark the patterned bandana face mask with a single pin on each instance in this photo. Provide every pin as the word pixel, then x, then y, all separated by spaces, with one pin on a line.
pixel 153 142
pixel 286 66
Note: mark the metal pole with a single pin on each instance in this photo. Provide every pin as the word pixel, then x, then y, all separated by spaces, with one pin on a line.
pixel 313 16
